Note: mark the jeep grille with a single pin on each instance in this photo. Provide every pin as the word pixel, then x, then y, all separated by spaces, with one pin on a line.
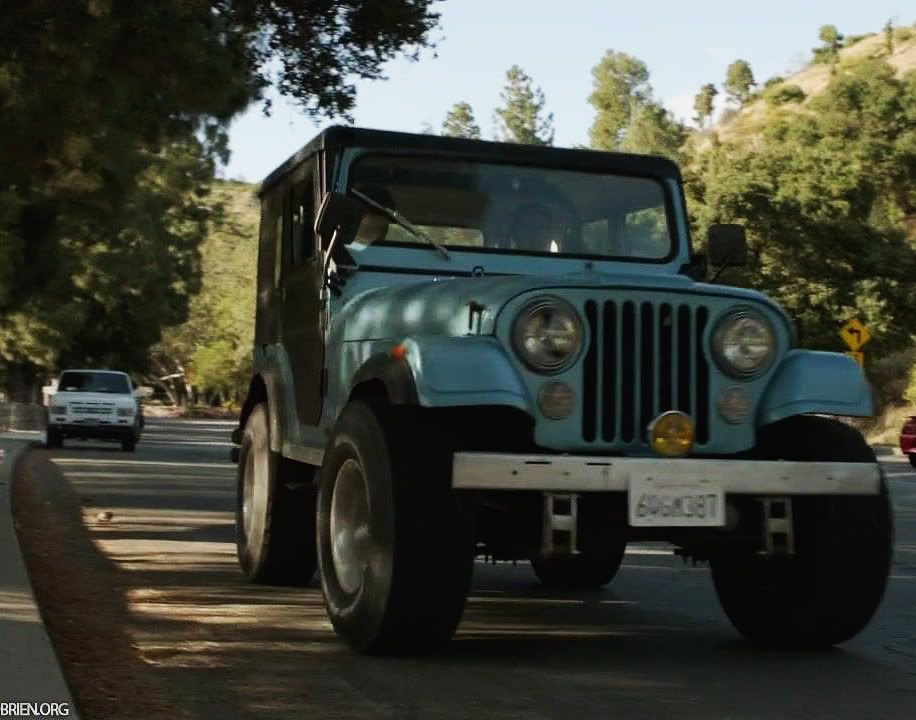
pixel 643 358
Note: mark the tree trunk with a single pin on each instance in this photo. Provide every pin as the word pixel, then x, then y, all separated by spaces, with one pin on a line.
pixel 22 383
pixel 188 392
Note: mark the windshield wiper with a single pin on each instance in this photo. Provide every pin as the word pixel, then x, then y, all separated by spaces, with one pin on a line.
pixel 403 222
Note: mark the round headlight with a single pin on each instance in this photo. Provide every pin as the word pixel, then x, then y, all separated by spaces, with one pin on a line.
pixel 548 335
pixel 744 343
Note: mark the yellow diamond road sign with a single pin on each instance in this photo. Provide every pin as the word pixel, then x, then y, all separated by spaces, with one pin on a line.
pixel 855 334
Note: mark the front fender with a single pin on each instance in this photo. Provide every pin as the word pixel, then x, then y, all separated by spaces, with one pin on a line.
pixel 816 382
pixel 441 371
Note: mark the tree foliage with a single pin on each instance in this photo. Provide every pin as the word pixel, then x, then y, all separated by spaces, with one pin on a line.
pixel 209 355
pixel 522 117
pixel 112 117
pixel 739 79
pixel 704 103
pixel 889 37
pixel 627 117
pixel 829 199
pixel 654 131
pixel 620 89
pixel 784 93
pixel 460 122
pixel 829 51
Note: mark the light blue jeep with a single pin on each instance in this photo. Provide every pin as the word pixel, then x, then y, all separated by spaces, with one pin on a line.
pixel 468 348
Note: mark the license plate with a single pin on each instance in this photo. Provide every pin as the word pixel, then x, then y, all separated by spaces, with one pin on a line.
pixel 660 502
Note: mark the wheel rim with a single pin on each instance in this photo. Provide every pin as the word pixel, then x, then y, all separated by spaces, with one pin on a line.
pixel 349 527
pixel 254 494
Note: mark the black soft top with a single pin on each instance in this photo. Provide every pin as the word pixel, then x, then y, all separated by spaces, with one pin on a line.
pixel 340 136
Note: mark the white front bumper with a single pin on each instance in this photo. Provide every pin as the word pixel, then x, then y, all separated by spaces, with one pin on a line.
pixel 566 473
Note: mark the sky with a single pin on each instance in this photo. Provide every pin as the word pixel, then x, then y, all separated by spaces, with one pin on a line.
pixel 684 43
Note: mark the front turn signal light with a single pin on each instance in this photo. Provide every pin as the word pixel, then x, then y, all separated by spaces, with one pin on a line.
pixel 671 434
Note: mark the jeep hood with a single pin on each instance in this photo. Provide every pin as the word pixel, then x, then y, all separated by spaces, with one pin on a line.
pixel 442 306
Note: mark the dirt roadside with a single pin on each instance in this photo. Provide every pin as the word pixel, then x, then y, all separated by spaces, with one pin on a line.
pixel 83 602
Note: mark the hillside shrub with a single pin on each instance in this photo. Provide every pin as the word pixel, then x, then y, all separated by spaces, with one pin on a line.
pixel 910 393
pixel 784 93
pixel 853 39
pixel 894 377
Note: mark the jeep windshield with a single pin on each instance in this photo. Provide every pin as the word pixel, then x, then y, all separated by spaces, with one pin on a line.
pixel 96 382
pixel 490 207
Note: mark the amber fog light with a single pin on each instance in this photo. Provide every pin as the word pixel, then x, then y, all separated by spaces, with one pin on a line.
pixel 556 400
pixel 671 434
pixel 734 404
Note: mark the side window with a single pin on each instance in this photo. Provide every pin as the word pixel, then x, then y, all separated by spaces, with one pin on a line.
pixel 302 218
pixel 269 258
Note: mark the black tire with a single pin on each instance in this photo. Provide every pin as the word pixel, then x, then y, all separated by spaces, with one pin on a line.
pixel 275 510
pixel 54 439
pixel 128 443
pixel 396 577
pixel 913 459
pixel 830 589
pixel 588 570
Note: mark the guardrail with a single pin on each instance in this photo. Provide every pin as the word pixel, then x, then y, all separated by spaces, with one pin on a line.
pixel 22 416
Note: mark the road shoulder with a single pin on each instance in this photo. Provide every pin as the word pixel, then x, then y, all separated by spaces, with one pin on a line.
pixel 29 668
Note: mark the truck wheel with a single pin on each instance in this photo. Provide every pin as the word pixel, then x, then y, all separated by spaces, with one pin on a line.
pixel 395 542
pixel 588 570
pixel 54 438
pixel 828 591
pixel 274 518
pixel 129 443
pixel 913 459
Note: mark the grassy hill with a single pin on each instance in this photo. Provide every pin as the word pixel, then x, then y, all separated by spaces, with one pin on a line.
pixel 773 96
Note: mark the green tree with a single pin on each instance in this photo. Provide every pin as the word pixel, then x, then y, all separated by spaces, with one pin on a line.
pixel 654 131
pixel 703 104
pixel 209 355
pixel 459 122
pixel 889 37
pixel 832 41
pixel 620 88
pixel 827 197
pixel 627 117
pixel 738 81
pixel 522 117
pixel 112 117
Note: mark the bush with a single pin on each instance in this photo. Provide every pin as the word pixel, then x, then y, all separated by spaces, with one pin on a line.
pixel 775 80
pixel 910 393
pixel 782 94
pixel 853 39
pixel 903 34
pixel 894 378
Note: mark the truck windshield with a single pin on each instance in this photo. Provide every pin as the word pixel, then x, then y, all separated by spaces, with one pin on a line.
pixel 99 382
pixel 480 206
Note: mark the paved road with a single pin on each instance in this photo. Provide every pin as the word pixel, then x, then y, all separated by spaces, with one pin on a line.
pixel 653 645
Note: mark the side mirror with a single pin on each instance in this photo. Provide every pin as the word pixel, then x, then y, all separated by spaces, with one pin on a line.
pixel 338 212
pixel 143 392
pixel 726 245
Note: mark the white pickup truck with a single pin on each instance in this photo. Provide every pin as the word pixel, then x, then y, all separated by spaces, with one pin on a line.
pixel 96 404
